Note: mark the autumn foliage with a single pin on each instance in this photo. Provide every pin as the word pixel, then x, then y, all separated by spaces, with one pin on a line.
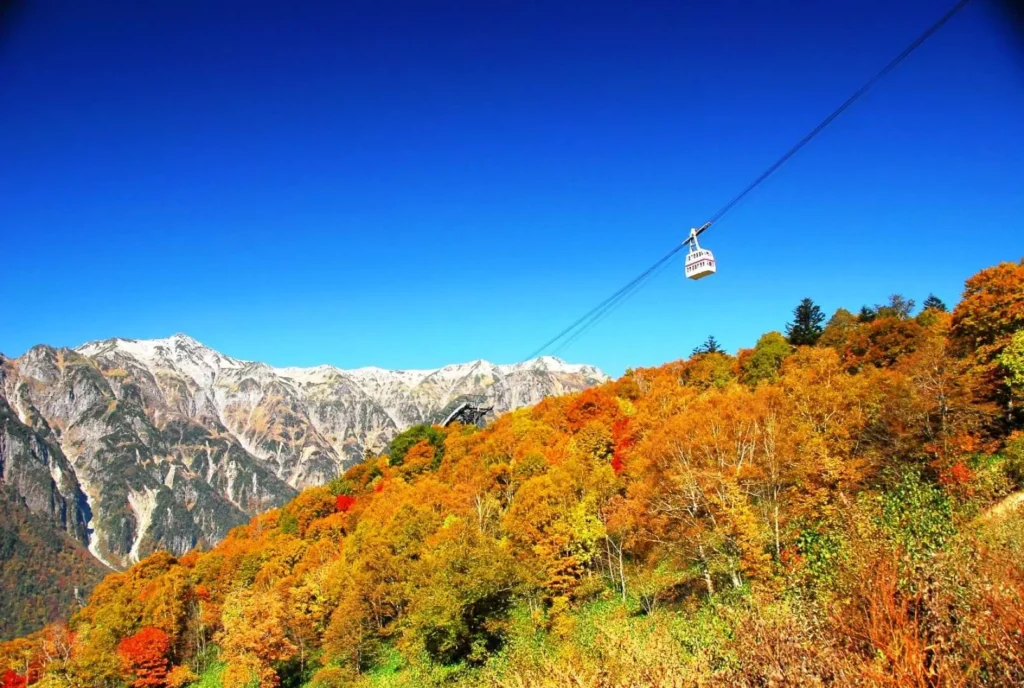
pixel 837 513
pixel 12 679
pixel 145 657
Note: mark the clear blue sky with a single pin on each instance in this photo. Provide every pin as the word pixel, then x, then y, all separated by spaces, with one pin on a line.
pixel 407 184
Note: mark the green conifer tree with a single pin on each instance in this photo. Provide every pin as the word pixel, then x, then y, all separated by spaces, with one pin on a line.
pixel 806 327
pixel 710 346
pixel 934 303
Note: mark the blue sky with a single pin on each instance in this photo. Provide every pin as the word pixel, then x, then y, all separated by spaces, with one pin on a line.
pixel 407 184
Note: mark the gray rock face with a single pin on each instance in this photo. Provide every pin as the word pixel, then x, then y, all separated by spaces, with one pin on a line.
pixel 136 445
pixel 39 473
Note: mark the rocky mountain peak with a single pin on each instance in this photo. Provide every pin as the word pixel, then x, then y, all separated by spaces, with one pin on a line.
pixel 168 442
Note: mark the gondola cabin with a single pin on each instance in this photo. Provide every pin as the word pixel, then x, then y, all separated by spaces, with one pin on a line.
pixel 700 262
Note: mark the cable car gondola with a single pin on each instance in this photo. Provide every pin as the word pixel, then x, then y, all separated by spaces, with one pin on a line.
pixel 700 262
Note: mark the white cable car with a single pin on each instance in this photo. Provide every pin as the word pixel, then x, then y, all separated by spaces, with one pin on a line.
pixel 700 262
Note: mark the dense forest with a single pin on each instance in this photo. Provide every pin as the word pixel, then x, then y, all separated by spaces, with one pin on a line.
pixel 835 506
pixel 40 568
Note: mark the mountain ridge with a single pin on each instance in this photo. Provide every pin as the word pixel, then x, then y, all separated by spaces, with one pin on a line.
pixel 169 443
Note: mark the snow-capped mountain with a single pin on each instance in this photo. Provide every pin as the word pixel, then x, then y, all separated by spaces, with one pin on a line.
pixel 134 445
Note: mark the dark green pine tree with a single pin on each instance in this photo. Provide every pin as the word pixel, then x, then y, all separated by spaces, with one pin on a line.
pixel 806 327
pixel 867 314
pixel 934 303
pixel 710 346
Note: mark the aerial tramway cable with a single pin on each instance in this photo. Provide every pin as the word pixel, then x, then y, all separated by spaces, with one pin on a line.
pixel 835 113
pixel 607 310
pixel 610 301
pixel 601 310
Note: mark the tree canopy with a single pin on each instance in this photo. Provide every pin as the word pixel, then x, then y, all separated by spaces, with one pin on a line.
pixel 408 439
pixel 709 346
pixel 839 512
pixel 934 303
pixel 806 327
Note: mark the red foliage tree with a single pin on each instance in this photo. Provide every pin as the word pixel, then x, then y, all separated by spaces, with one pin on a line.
pixel 145 657
pixel 623 440
pixel 956 475
pixel 344 502
pixel 12 679
pixel 591 404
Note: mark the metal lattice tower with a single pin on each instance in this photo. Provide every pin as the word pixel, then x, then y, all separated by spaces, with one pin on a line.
pixel 466 409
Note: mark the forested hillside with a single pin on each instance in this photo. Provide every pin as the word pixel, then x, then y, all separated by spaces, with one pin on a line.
pixel 41 568
pixel 836 506
pixel 133 446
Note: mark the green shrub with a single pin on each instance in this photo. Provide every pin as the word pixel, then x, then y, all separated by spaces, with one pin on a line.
pixel 821 553
pixel 211 678
pixel 917 516
pixel 405 441
pixel 1014 455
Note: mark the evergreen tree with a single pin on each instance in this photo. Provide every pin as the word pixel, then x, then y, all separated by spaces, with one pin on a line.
pixel 934 303
pixel 867 314
pixel 806 327
pixel 710 346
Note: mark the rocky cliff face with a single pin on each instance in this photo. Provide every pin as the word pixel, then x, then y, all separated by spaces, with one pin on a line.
pixel 130 446
pixel 32 464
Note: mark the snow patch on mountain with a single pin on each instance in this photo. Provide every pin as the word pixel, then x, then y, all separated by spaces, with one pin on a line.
pixel 182 353
pixel 95 536
pixel 173 443
pixel 143 504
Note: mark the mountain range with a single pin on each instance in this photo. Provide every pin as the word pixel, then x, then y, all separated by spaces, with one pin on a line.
pixel 129 446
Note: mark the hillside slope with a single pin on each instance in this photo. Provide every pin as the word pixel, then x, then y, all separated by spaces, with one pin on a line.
pixel 170 444
pixel 129 447
pixel 789 516
pixel 41 569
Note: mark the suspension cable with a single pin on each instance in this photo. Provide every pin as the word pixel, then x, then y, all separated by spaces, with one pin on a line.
pixel 610 300
pixel 835 113
pixel 601 310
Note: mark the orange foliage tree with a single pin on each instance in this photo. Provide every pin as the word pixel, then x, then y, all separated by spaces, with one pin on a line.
pixel 732 478
pixel 144 656
pixel 984 322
